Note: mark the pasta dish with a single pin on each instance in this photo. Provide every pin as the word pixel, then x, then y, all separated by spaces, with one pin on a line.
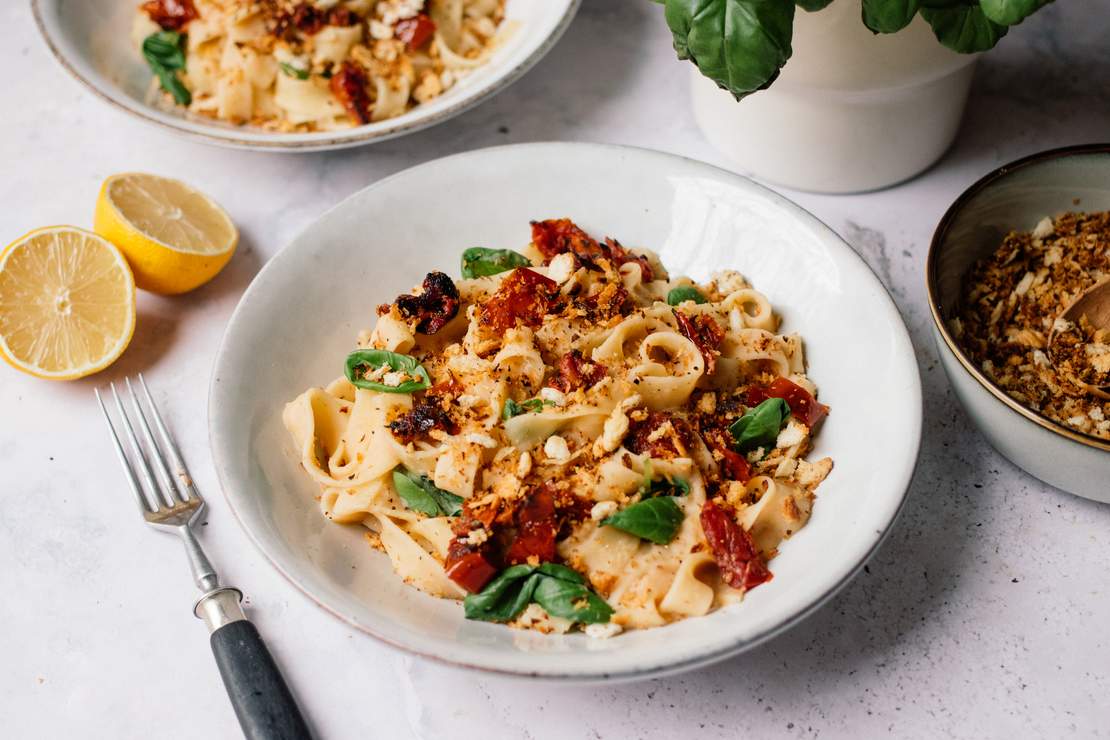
pixel 567 437
pixel 296 65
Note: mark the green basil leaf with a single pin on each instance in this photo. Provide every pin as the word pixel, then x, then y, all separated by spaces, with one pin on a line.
pixel 739 44
pixel 511 409
pixel 760 426
pixel 888 16
pixel 504 597
pixel 562 572
pixel 291 71
pixel 536 404
pixel 654 519
pixel 420 494
pixel 479 261
pixel 668 487
pixel 684 293
pixel 1010 12
pixel 812 5
pixel 573 601
pixel 964 28
pixel 164 53
pixel 362 361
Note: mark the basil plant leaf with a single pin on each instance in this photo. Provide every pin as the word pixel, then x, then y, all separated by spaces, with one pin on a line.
pixel 363 362
pixel 295 72
pixel 1010 12
pixel 888 16
pixel 684 293
pixel 504 597
pixel 653 519
pixel 760 426
pixel 562 572
pixel 573 601
pixel 164 53
pixel 964 28
pixel 512 408
pixel 420 494
pixel 668 487
pixel 739 44
pixel 479 261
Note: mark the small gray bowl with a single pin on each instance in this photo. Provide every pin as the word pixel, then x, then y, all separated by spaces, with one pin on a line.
pixel 1016 197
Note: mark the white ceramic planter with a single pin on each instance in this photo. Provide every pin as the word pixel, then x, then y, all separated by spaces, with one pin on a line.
pixel 851 111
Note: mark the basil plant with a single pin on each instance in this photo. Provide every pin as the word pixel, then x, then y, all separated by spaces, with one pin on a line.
pixel 743 44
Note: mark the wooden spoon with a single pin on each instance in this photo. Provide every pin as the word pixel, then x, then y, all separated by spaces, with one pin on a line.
pixel 1094 303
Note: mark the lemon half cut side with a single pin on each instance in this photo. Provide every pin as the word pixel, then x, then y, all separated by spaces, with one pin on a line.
pixel 175 237
pixel 67 303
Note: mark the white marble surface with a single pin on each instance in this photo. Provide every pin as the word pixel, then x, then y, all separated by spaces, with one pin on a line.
pixel 985 614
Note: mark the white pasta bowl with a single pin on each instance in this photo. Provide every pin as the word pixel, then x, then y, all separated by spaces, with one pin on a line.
pixel 91 39
pixel 308 303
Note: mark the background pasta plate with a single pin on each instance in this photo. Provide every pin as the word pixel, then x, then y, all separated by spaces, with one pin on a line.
pixel 313 297
pixel 91 39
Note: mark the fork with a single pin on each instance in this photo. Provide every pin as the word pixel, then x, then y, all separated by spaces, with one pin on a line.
pixel 170 502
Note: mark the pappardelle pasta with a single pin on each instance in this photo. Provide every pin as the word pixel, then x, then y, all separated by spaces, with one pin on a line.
pixel 566 437
pixel 311 65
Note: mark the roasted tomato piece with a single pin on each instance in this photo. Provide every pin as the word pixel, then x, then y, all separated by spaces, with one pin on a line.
pixel 741 564
pixel 556 236
pixel 537 525
pixel 171 15
pixel 525 296
pixel 659 435
pixel 612 300
pixel 735 465
pixel 705 333
pixel 430 412
pixel 435 306
pixel 471 570
pixel 803 406
pixel 349 86
pixel 575 372
pixel 415 31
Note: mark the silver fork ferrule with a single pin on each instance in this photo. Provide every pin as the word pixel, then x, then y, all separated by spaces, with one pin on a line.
pixel 204 575
pixel 219 607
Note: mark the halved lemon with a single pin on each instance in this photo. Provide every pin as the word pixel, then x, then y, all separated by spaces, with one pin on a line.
pixel 175 237
pixel 67 303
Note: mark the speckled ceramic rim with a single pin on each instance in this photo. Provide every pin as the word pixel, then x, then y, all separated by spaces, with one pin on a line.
pixel 209 134
pixel 934 303
pixel 651 671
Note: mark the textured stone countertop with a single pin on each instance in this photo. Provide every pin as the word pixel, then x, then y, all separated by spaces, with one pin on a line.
pixel 985 614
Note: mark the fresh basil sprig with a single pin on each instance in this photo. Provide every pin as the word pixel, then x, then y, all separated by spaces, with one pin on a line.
pixel 760 426
pixel 654 519
pixel 561 592
pixel 361 362
pixel 479 261
pixel 291 71
pixel 420 494
pixel 512 408
pixel 684 293
pixel 164 52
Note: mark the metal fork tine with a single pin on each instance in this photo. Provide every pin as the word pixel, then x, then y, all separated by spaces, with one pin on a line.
pixel 185 481
pixel 133 482
pixel 160 466
pixel 158 496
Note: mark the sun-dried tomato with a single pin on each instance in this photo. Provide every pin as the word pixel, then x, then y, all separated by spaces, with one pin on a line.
pixel 803 406
pixel 469 565
pixel 415 31
pixel 735 465
pixel 349 85
pixel 525 296
pixel 612 300
pixel 437 304
pixel 741 564
pixel 536 528
pixel 705 333
pixel 171 15
pixel 471 570
pixel 429 413
pixel 575 372
pixel 559 235
pixel 645 436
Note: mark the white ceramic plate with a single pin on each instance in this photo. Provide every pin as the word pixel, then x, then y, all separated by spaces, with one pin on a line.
pixel 299 318
pixel 91 39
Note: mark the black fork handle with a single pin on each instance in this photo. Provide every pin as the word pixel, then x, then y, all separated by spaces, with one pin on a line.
pixel 263 703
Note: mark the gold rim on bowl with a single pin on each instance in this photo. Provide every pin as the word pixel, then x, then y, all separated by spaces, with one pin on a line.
pixel 934 302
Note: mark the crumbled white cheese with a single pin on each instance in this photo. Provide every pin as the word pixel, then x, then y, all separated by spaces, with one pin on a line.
pixel 380 31
pixel 1061 325
pixel 603 509
pixel 793 433
pixel 476 537
pixel 524 465
pixel 481 439
pixel 561 267
pixel 1040 359
pixel 756 455
pixel 535 617
pixel 1043 228
pixel 554 395
pixel 556 448
pixel 1025 284
pixel 1096 413
pixel 603 631
pixel 394 379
